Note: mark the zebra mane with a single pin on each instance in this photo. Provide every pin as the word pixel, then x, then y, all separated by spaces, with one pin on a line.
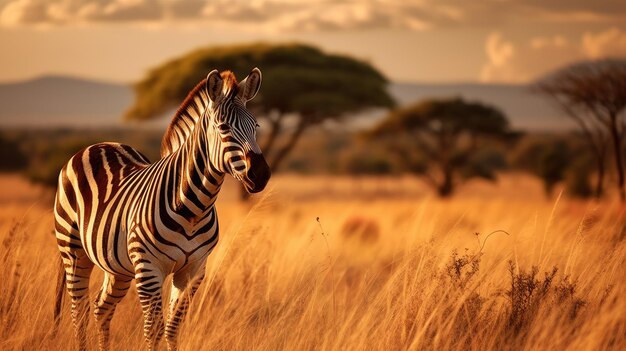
pixel 190 111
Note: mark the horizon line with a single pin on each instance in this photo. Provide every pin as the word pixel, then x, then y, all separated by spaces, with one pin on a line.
pixel 130 84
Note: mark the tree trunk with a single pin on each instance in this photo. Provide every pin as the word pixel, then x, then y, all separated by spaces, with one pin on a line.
pixel 276 126
pixel 446 188
pixel 600 181
pixel 282 153
pixel 617 150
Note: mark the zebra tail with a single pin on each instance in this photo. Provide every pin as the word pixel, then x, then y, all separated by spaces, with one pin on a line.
pixel 59 294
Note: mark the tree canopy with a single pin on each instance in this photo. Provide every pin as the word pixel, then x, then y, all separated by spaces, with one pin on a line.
pixel 299 81
pixel 593 94
pixel 447 118
pixel 448 133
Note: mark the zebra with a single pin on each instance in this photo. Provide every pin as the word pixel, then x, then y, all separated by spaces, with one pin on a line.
pixel 141 221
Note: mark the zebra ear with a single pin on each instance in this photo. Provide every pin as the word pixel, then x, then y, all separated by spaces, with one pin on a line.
pixel 214 84
pixel 249 87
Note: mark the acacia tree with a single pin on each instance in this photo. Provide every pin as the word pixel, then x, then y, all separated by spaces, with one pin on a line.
pixel 448 133
pixel 547 159
pixel 593 95
pixel 302 87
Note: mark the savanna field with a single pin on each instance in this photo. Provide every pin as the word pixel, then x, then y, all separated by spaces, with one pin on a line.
pixel 329 263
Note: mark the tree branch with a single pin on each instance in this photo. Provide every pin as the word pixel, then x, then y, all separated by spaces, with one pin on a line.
pixel 275 129
pixel 281 153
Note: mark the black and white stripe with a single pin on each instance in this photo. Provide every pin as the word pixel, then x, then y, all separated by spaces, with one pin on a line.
pixel 142 221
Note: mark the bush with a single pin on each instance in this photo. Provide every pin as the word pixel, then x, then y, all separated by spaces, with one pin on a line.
pixel 528 293
pixel 12 158
pixel 361 160
pixel 45 169
pixel 484 164
pixel 547 159
pixel 553 162
pixel 577 179
pixel 461 269
pixel 368 165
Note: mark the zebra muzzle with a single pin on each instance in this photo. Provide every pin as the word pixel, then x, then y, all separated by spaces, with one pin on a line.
pixel 258 173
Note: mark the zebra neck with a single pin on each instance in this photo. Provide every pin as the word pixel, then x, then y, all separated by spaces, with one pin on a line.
pixel 185 119
pixel 197 182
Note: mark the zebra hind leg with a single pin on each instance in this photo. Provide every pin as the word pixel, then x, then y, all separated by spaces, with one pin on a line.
pixel 113 290
pixel 78 268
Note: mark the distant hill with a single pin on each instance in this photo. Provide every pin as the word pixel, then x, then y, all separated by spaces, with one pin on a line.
pixel 62 101
pixel 57 101
pixel 525 109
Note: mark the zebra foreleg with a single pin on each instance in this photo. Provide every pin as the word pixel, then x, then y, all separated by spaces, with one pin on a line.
pixel 77 271
pixel 185 283
pixel 149 284
pixel 112 292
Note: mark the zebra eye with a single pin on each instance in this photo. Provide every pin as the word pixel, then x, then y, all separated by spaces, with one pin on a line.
pixel 223 128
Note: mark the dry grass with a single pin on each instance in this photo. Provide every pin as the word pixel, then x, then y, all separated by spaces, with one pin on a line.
pixel 390 268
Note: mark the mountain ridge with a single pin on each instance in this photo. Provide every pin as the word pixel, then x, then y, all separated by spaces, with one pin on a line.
pixel 67 101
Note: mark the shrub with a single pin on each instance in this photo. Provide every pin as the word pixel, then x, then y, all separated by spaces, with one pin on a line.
pixel 484 164
pixel 577 179
pixel 528 292
pixel 547 159
pixel 12 158
pixel 363 160
pixel 461 269
pixel 45 169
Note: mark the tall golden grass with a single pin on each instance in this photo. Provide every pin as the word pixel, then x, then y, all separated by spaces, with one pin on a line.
pixel 362 264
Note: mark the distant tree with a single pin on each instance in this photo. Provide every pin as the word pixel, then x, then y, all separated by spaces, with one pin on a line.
pixel 12 158
pixel 302 87
pixel 484 163
pixel 556 158
pixel 362 159
pixel 45 168
pixel 577 178
pixel 593 94
pixel 448 133
pixel 553 161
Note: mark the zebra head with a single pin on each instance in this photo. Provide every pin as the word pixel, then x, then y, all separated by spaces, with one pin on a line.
pixel 232 129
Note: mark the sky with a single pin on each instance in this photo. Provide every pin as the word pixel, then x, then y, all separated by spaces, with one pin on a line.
pixel 490 41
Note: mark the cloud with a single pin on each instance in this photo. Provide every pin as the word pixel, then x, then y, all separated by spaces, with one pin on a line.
pixel 24 12
pixel 309 14
pixel 598 9
pixel 266 14
pixel 546 11
pixel 539 43
pixel 499 55
pixel 498 50
pixel 17 12
pixel 611 42
pixel 525 61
